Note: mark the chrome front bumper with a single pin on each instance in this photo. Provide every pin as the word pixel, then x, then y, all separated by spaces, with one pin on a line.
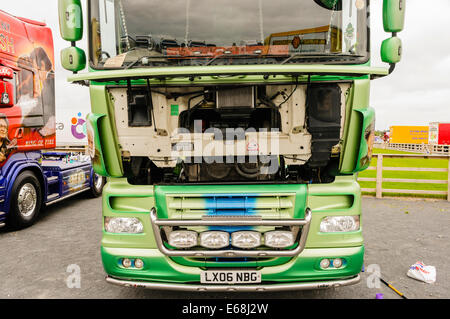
pixel 295 224
pixel 237 288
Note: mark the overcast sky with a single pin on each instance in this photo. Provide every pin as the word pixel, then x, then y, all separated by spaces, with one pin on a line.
pixel 417 93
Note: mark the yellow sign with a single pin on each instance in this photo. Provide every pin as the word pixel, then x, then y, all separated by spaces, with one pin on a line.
pixel 409 134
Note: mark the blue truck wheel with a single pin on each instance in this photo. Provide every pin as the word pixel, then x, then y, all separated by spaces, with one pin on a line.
pixel 26 201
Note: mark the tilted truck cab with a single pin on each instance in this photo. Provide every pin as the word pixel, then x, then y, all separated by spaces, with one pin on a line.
pixel 232 153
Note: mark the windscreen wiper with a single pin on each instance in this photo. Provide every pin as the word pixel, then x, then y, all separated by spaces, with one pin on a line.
pixel 314 56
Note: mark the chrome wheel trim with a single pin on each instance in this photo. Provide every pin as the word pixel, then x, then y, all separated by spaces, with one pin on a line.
pixel 27 200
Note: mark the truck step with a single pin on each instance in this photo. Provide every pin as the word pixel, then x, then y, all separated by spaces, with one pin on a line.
pixel 52 197
pixel 52 179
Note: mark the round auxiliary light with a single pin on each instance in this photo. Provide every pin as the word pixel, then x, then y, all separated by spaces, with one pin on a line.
pixel 325 263
pixel 126 263
pixel 138 263
pixel 337 263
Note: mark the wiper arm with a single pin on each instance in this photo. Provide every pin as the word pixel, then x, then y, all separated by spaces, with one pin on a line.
pixel 312 56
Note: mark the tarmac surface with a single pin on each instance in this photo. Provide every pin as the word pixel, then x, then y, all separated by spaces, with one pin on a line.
pixel 36 262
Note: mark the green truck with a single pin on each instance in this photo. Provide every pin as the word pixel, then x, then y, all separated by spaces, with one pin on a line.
pixel 231 134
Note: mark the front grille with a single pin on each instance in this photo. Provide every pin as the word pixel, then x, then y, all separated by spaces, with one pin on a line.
pixel 267 206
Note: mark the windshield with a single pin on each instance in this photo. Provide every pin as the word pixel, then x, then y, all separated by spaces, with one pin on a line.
pixel 149 33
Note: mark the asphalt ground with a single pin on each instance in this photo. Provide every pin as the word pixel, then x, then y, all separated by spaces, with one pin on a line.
pixel 36 262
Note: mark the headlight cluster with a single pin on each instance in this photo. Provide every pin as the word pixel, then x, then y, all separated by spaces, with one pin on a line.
pixel 333 224
pixel 123 225
pixel 240 239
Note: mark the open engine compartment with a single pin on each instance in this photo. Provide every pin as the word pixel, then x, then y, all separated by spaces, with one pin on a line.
pixel 227 134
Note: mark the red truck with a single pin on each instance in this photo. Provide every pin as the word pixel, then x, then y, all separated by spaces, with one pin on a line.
pixel 30 175
pixel 439 134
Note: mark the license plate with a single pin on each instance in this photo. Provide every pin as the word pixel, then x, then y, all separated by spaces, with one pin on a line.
pixel 230 277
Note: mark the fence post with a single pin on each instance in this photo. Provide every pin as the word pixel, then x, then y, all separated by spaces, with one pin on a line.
pixel 448 178
pixel 379 190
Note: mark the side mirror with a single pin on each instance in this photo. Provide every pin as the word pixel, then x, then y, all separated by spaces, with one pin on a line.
pixel 70 20
pixel 73 59
pixel 71 28
pixel 391 50
pixel 393 15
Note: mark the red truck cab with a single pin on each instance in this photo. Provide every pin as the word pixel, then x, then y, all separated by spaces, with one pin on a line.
pixel 30 177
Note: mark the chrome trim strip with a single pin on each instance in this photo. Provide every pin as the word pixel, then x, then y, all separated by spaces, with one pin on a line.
pixel 157 223
pixel 236 288
pixel 67 196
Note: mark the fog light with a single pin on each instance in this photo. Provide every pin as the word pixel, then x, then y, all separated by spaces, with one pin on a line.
pixel 337 263
pixel 339 224
pixel 138 263
pixel 214 239
pixel 279 239
pixel 183 239
pixel 126 263
pixel 325 263
pixel 246 239
pixel 120 225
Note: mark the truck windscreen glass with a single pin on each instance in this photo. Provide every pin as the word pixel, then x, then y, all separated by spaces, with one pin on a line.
pixel 140 33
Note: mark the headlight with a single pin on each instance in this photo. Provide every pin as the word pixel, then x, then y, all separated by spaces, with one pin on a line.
pixel 123 225
pixel 183 239
pixel 246 239
pixel 214 239
pixel 279 239
pixel 334 224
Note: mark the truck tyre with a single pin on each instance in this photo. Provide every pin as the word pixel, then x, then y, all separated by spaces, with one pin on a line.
pixel 26 201
pixel 97 185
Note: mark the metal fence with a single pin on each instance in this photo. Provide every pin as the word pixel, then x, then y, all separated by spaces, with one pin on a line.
pixel 379 190
pixel 416 148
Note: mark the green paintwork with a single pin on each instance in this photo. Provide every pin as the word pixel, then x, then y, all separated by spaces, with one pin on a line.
pixel 73 59
pixel 70 15
pixel 368 126
pixel 222 70
pixel 322 199
pixel 102 105
pixel 391 50
pixel 358 101
pixel 98 162
pixel 121 199
pixel 298 193
pixel 304 268
pixel 394 15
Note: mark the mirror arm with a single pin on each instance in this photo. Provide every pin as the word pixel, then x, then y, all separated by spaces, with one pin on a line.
pixel 392 67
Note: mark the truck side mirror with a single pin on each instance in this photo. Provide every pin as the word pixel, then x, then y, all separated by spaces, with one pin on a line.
pixel 393 21
pixel 70 20
pixel 71 28
pixel 393 15
pixel 6 87
pixel 73 59
pixel 391 50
